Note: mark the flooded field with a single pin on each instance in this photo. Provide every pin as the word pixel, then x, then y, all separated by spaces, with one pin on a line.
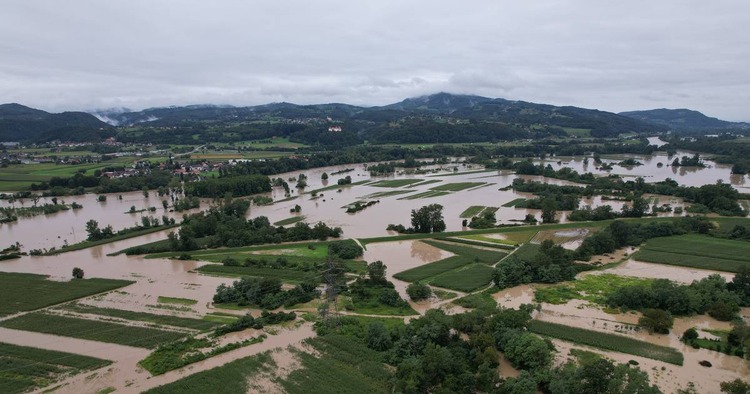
pixel 155 278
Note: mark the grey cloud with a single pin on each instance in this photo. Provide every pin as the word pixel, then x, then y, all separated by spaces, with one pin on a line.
pixel 86 54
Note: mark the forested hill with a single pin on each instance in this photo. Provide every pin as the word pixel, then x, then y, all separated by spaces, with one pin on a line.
pixel 683 120
pixel 437 118
pixel 21 123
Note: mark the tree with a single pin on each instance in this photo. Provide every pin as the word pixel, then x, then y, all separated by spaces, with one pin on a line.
pixel 689 335
pixel 377 336
pixel 428 219
pixel 77 273
pixel 527 351
pixel 376 272
pixel 418 291
pixel 737 386
pixel 324 176
pixel 92 228
pixel 549 210
pixel 656 320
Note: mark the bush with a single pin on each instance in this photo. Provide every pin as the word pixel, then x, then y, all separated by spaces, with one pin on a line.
pixel 418 291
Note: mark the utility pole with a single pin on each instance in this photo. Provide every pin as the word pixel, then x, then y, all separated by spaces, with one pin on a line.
pixel 331 276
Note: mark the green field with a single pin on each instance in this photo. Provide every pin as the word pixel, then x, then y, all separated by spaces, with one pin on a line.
pixel 291 220
pixel 178 354
pixel 617 343
pixel 25 368
pixel 388 193
pixel 592 288
pixel 340 365
pixel 465 279
pixel 230 378
pixel 697 251
pixel 331 187
pixel 514 202
pixel 427 182
pixel 432 269
pixel 458 186
pixel 475 254
pixel 288 275
pixel 395 182
pixel 427 194
pixel 174 321
pixel 26 292
pixel 527 252
pixel 495 245
pixel 89 244
pixel 92 330
pixel 471 211
pixel 176 300
pixel 17 177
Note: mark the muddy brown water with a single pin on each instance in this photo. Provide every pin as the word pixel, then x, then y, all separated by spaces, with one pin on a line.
pixel 172 278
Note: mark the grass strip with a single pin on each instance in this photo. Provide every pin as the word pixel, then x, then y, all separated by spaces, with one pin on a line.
pixel 26 292
pixel 88 244
pixel 167 320
pixel 92 330
pixel 289 276
pixel 486 244
pixel 617 343
pixel 472 211
pixel 291 220
pixel 427 194
pixel 514 202
pixel 395 182
pixel 457 186
pixel 335 187
pixel 176 300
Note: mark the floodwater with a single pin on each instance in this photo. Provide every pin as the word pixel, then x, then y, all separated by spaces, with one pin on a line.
pixel 403 255
pixel 173 278
pixel 578 314
pixel 641 269
pixel 46 231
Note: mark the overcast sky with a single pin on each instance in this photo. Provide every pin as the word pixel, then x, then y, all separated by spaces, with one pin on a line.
pixel 610 55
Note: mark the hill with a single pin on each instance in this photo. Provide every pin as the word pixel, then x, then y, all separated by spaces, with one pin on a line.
pixel 683 120
pixel 21 123
pixel 437 118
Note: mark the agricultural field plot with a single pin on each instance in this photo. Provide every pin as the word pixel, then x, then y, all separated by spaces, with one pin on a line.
pixel 388 193
pixel 332 187
pixel 427 182
pixel 592 288
pixel 26 292
pixel 514 238
pixel 475 254
pixel 20 176
pixel 477 210
pixel 427 194
pixel 318 250
pixel 285 275
pixel 458 186
pixel 430 270
pixel 395 182
pixel 24 368
pixel 176 300
pixel 465 279
pixel 234 377
pixel 527 252
pixel 617 343
pixel 92 330
pixel 353 367
pixel 513 203
pixel 697 251
pixel 276 142
pixel 291 220
pixel 167 320
pixel 480 243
